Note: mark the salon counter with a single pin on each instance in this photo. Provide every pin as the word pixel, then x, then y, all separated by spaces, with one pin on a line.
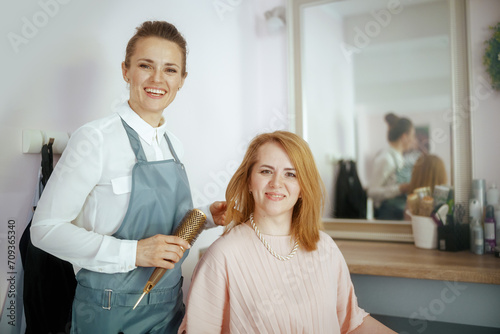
pixel 407 261
pixel 422 287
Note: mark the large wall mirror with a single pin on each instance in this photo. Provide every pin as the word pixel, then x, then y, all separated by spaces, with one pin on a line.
pixel 352 62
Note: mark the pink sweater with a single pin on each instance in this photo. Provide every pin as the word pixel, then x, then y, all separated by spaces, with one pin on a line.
pixel 239 287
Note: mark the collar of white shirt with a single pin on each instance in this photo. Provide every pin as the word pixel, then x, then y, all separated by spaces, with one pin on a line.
pixel 143 128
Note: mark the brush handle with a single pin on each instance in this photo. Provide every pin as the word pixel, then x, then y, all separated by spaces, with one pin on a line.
pixel 154 279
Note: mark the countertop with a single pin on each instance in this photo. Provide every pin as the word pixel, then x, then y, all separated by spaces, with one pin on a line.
pixel 405 260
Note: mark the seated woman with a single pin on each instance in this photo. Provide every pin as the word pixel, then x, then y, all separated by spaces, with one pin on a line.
pixel 428 171
pixel 273 270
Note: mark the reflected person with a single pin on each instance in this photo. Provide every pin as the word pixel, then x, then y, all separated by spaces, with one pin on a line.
pixel 389 182
pixel 428 172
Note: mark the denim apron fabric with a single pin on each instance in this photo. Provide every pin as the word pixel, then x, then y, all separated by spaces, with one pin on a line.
pixel 159 199
pixel 403 173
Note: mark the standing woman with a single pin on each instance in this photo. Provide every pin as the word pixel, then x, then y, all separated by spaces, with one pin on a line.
pixel 274 271
pixel 390 178
pixel 117 194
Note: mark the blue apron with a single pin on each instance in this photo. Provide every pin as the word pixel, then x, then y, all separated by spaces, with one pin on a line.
pixel 159 199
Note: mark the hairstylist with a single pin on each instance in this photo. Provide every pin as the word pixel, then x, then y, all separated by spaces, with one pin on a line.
pixel 390 177
pixel 118 192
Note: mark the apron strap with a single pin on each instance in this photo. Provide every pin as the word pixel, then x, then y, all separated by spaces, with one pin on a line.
pixel 135 143
pixel 171 147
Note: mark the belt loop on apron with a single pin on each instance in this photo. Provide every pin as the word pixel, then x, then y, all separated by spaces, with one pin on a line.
pixel 106 299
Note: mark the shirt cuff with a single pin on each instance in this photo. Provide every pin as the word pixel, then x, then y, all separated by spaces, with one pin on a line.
pixel 128 253
pixel 395 190
pixel 210 220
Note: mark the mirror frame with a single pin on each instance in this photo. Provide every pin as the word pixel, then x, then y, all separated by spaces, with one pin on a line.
pixel 460 121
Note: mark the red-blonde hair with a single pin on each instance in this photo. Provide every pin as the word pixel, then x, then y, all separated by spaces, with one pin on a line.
pixel 428 171
pixel 307 212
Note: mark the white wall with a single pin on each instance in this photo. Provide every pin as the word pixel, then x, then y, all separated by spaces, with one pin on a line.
pixel 485 102
pixel 327 86
pixel 67 72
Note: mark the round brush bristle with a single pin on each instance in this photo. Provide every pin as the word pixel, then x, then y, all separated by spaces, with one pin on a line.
pixel 191 225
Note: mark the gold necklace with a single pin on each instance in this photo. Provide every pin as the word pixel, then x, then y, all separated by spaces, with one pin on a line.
pixel 276 255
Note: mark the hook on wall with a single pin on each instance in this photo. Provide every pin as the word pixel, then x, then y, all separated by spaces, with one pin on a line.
pixel 275 18
pixel 33 140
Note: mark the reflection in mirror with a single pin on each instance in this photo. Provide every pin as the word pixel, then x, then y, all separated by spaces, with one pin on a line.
pixel 361 60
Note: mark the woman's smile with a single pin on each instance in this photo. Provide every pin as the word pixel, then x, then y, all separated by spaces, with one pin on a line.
pixel 275 196
pixel 155 92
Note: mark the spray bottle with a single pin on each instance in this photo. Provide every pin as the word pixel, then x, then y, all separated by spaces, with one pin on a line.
pixel 489 230
pixel 493 198
pixel 476 228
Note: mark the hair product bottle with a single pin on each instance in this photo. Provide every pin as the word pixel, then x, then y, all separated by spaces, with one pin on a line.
pixel 479 193
pixel 476 237
pixel 493 198
pixel 476 228
pixel 489 230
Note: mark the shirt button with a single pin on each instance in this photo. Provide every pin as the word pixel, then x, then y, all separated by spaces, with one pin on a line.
pixel 100 270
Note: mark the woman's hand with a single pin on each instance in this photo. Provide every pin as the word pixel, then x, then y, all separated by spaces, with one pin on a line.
pixel 218 210
pixel 404 188
pixel 161 251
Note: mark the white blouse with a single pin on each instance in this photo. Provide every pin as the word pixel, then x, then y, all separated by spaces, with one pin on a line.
pixel 383 181
pixel 87 195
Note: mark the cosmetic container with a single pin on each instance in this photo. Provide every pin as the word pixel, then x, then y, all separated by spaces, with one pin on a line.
pixel 476 237
pixel 492 196
pixel 479 191
pixel 489 230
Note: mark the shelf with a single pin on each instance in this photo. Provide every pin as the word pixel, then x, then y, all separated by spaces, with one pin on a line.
pixel 405 260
